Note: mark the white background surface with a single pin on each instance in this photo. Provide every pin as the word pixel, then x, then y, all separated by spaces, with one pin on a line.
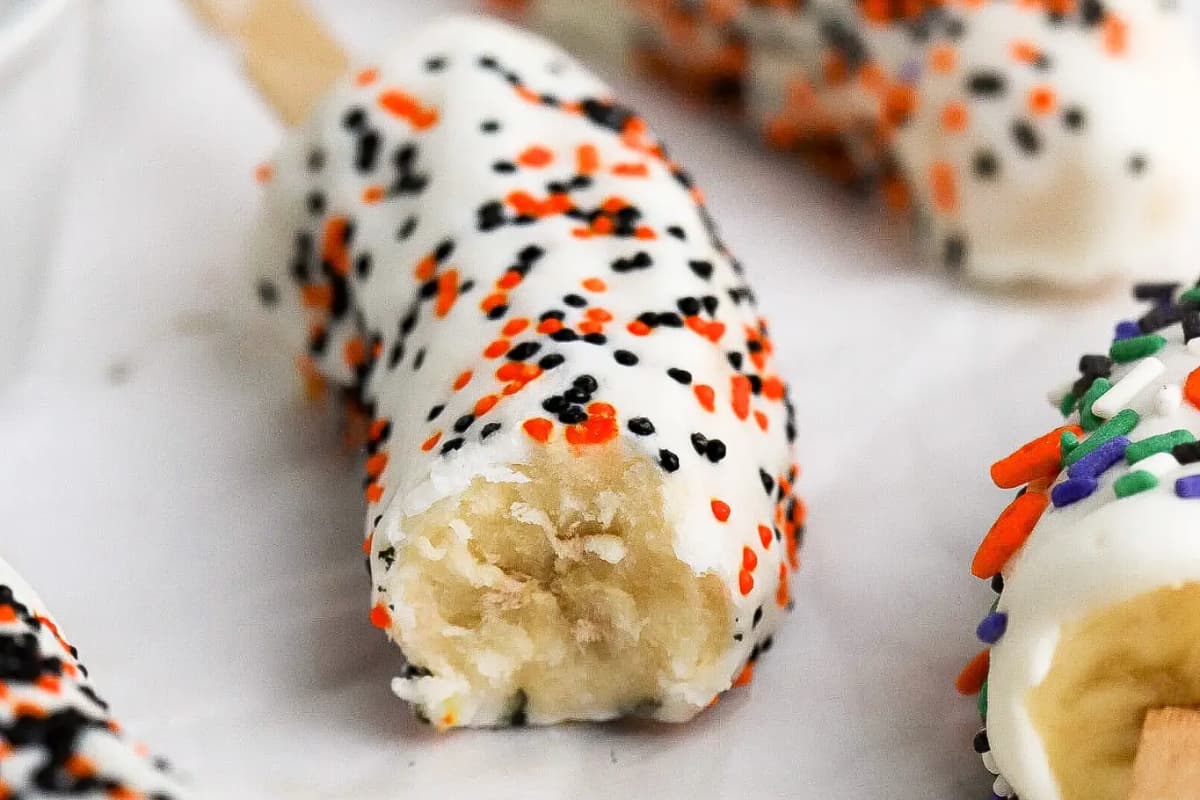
pixel 196 528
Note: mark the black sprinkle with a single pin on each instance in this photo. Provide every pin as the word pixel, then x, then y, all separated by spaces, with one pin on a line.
pixel 704 269
pixel 489 429
pixel 551 361
pixel 680 375
pixel 641 426
pixel 1073 118
pixel 986 165
pixel 268 292
pixel 463 423
pixel 625 358
pixel 668 460
pixel 435 412
pixel 451 446
pixel 1025 136
pixel 986 83
pixel 575 301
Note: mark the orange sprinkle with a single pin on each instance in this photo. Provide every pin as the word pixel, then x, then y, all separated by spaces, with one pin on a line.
pixel 638 328
pixel 264 172
pixel 943 186
pixel 1042 100
pixel 493 301
pixel 631 170
pixel 8 613
pixel 508 371
pixel 376 464
pixel 550 325
pixel 954 116
pixel 1116 35
pixel 538 429
pixel 764 536
pixel 1008 534
pixel 706 396
pixel 740 399
pixel 462 380
pixel 896 194
pixel 123 793
pixel 26 709
pixel 773 388
pixel 594 285
pixel 591 326
pixel 515 326
pixel 355 352
pixel 1191 388
pixel 372 194
pixel 366 77
pixel 587 160
pixel 970 680
pixel 509 279
pixel 535 156
pixel 367 544
pixel 50 683
pixel 78 766
pixel 431 442
pixel 745 676
pixel 374 492
pixel 380 617
pixel 407 107
pixel 1025 51
pixel 425 268
pixel 527 94
pixel 447 292
pixel 749 559
pixel 720 510
pixel 613 204
pixel 485 404
pixel 602 410
pixel 1040 458
pixel 378 426
pixel 781 593
pixel 644 233
pixel 943 59
pixel 334 249
pixel 497 348
pixel 745 582
pixel 761 419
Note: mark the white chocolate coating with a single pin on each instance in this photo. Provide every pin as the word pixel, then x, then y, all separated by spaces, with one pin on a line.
pixel 532 203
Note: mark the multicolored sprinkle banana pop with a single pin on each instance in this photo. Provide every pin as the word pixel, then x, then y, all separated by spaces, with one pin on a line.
pixel 1096 629
pixel 57 737
pixel 580 469
pixel 1035 140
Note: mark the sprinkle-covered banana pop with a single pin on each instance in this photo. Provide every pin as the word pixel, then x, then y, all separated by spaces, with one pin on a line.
pixel 1044 140
pixel 1097 566
pixel 57 737
pixel 579 469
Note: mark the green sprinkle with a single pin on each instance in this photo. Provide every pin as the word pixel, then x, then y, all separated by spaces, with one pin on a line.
pixel 1125 350
pixel 1191 296
pixel 1119 425
pixel 983 700
pixel 1133 482
pixel 1068 404
pixel 1087 420
pixel 1068 441
pixel 1157 444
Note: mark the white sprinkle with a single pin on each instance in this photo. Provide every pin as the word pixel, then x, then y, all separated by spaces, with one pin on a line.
pixel 1193 346
pixel 1168 399
pixel 1129 387
pixel 1158 464
pixel 989 763
pixel 1001 787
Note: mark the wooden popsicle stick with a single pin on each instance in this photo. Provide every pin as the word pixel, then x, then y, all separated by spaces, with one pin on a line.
pixel 1167 766
pixel 288 54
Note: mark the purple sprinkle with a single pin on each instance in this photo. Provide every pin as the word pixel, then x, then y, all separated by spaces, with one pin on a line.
pixel 992 627
pixel 1073 490
pixel 1096 462
pixel 1188 487
pixel 910 71
pixel 1127 330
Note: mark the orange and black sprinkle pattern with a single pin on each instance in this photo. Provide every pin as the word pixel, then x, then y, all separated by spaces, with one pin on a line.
pixel 491 254
pixel 57 737
pixel 955 112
